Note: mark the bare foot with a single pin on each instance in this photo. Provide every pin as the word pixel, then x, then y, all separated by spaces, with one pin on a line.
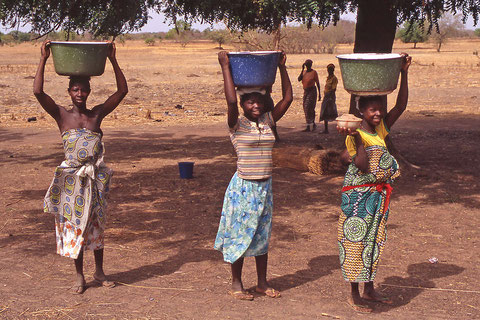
pixel 102 280
pixel 358 305
pixel 241 295
pixel 373 296
pixel 79 287
pixel 269 292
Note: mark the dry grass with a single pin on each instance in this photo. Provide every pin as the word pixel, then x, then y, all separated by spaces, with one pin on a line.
pixel 167 75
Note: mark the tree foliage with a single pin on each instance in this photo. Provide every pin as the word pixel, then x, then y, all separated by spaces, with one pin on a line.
pixel 412 33
pixel 269 14
pixel 449 26
pixel 114 17
pixel 220 36
pixel 101 18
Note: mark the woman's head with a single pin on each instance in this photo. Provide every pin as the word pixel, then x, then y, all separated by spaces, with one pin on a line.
pixel 371 107
pixel 331 68
pixel 308 63
pixel 79 89
pixel 253 104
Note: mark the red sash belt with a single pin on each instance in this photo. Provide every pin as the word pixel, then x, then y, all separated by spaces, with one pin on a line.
pixel 379 186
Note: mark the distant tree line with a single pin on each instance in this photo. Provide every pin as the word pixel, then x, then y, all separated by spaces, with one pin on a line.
pixel 448 27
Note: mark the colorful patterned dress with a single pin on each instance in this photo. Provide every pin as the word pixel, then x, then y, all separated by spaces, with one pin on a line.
pixel 246 220
pixel 77 193
pixel 365 207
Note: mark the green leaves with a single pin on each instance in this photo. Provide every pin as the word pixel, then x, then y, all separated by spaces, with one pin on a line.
pixel 113 17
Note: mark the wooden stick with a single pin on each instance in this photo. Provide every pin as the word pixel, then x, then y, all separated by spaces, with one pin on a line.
pixel 24 311
pixel 159 288
pixel 431 289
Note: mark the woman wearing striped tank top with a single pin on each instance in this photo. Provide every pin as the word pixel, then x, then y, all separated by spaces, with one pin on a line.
pixel 246 220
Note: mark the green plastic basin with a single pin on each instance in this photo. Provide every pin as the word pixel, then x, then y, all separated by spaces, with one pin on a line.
pixel 367 74
pixel 79 58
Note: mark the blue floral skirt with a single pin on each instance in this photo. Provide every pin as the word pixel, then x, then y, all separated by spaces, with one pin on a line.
pixel 246 221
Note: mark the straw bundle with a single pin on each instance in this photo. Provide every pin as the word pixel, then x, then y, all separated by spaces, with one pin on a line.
pixel 306 159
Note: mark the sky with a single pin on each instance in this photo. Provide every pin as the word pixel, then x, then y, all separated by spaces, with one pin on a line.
pixel 157 24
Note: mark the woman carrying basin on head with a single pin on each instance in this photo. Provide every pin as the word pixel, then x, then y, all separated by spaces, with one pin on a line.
pixel 77 193
pixel 245 223
pixel 366 194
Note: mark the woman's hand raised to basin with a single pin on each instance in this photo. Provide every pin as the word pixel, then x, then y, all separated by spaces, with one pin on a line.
pixel 283 59
pixel 406 61
pixel 45 49
pixel 112 50
pixel 223 58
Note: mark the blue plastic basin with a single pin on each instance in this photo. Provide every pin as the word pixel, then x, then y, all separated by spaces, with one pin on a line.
pixel 255 68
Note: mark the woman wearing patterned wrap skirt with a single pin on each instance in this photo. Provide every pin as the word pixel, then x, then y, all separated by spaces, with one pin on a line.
pixel 328 112
pixel 246 220
pixel 77 193
pixel 366 194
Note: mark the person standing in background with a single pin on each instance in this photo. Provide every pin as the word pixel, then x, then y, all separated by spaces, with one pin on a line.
pixel 329 106
pixel 309 78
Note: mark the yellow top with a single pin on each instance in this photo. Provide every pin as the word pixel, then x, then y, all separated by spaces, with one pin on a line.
pixel 331 84
pixel 369 139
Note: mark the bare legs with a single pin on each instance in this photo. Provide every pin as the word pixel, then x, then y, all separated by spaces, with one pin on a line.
pixel 99 275
pixel 369 294
pixel 80 284
pixel 237 267
pixel 262 284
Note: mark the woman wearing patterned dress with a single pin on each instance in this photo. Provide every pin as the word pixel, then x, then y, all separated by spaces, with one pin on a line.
pixel 245 223
pixel 366 194
pixel 77 193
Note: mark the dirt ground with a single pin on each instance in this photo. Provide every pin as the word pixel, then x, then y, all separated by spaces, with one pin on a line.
pixel 161 228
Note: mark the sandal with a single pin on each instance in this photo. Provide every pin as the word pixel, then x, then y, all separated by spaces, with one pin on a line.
pixel 241 295
pixel 104 283
pixel 270 292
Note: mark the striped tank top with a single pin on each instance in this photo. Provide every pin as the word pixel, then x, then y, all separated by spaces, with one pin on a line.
pixel 253 144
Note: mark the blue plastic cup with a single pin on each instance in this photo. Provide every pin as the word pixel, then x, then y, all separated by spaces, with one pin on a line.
pixel 186 170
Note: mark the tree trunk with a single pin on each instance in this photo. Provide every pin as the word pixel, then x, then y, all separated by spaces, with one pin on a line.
pixel 414 45
pixel 374 31
pixel 276 37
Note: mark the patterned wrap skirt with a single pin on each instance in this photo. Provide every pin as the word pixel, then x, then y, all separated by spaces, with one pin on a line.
pixel 77 194
pixel 362 232
pixel 328 111
pixel 309 104
pixel 246 221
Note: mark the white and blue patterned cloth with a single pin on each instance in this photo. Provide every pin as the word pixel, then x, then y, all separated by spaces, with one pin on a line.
pixel 246 221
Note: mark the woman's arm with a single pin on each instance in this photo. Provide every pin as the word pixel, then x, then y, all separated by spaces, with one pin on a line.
pixel 229 88
pixel 45 100
pixel 122 89
pixel 300 77
pixel 402 98
pixel 361 159
pixel 318 86
pixel 287 93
